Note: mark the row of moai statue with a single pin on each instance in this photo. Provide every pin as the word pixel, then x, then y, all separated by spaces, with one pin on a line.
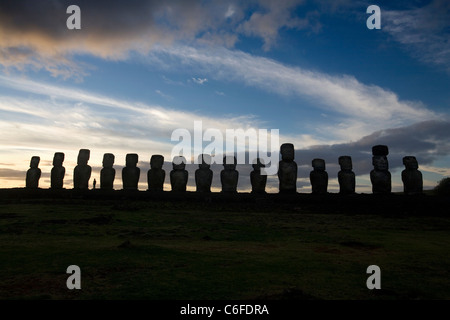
pixel 380 176
pixel 287 173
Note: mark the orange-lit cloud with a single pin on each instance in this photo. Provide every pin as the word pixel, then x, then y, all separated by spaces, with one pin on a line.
pixel 34 33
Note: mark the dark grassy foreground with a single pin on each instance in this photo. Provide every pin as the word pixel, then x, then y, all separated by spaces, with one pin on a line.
pixel 135 249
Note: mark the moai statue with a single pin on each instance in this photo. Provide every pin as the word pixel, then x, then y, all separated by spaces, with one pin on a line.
pixel 156 174
pixel 58 171
pixel 380 175
pixel 258 180
pixel 179 175
pixel 131 173
pixel 229 176
pixel 82 172
pixel 346 176
pixel 411 177
pixel 204 175
pixel 108 173
pixel 33 174
pixel 287 169
pixel 319 177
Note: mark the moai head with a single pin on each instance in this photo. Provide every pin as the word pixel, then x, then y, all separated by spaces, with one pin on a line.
pixel 58 159
pixel 287 152
pixel 131 160
pixel 156 161
pixel 258 164
pixel 108 160
pixel 410 162
pixel 83 157
pixel 229 163
pixel 204 161
pixel 379 159
pixel 179 163
pixel 318 164
pixel 34 162
pixel 380 163
pixel 346 163
pixel 380 150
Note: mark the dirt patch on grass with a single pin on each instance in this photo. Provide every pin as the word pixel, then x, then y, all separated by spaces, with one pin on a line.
pixel 99 220
pixel 41 288
pixel 360 245
pixel 9 216
pixel 288 294
pixel 56 221
pixel 327 250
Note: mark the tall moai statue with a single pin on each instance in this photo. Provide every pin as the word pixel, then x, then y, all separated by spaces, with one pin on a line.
pixel 411 176
pixel 287 169
pixel 108 173
pixel 156 175
pixel 229 176
pixel 58 171
pixel 318 177
pixel 179 175
pixel 204 175
pixel 33 174
pixel 131 173
pixel 257 179
pixel 380 175
pixel 346 176
pixel 82 172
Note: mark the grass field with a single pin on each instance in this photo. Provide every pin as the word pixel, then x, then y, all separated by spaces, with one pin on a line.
pixel 162 250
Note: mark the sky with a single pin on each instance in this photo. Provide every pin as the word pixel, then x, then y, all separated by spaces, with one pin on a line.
pixel 137 71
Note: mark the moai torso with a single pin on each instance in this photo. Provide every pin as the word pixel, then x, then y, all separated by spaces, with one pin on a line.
pixel 108 173
pixel 33 174
pixel 82 172
pixel 381 181
pixel 258 180
pixel 179 175
pixel 156 175
pixel 131 173
pixel 58 171
pixel 229 176
pixel 319 177
pixel 287 169
pixel 346 176
pixel 204 175
pixel 380 175
pixel 411 176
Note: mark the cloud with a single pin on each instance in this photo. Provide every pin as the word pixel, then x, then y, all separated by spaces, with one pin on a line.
pixel 11 174
pixel 438 170
pixel 357 108
pixel 17 178
pixel 59 115
pixel 230 11
pixel 428 141
pixel 173 82
pixel 165 96
pixel 34 34
pixel 73 119
pixel 48 119
pixel 200 80
pixel 274 15
pixel 424 31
